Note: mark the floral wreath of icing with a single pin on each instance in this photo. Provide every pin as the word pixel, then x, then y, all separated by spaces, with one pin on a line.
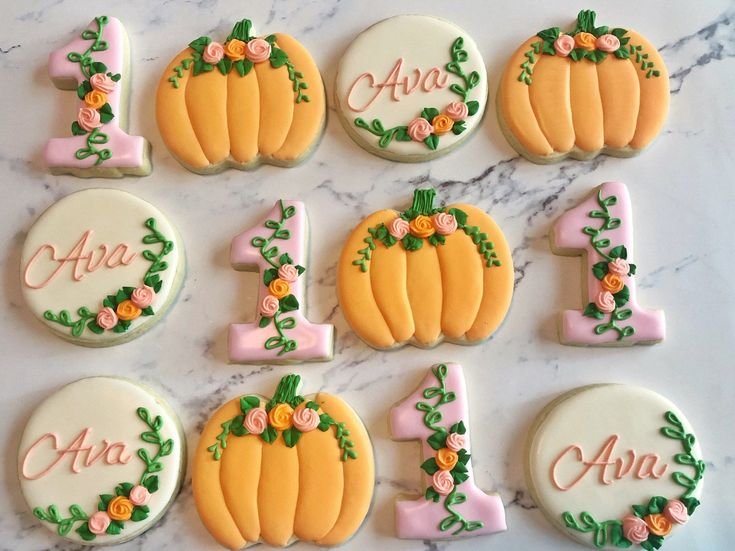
pixel 93 92
pixel 241 52
pixel 128 503
pixel 423 222
pixel 613 293
pixel 448 468
pixel 652 522
pixel 585 42
pixel 432 123
pixel 283 414
pixel 119 310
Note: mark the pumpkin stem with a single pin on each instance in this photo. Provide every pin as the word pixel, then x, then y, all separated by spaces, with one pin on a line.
pixel 241 30
pixel 423 201
pixel 286 390
pixel 585 21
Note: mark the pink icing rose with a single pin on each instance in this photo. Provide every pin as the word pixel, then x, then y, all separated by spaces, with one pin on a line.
pixel 444 223
pixel 89 118
pixel 99 522
pixel 455 442
pixel 305 419
pixel 605 302
pixel 607 43
pixel 143 296
pixel 256 420
pixel 257 50
pixel 619 266
pixel 269 306
pixel 443 482
pixel 419 129
pixel 635 529
pixel 398 228
pixel 457 111
pixel 288 272
pixel 213 53
pixel 563 45
pixel 676 512
pixel 102 82
pixel 139 495
pixel 107 318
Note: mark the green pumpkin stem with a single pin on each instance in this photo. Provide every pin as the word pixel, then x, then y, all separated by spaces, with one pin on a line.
pixel 585 21
pixel 241 30
pixel 286 390
pixel 423 201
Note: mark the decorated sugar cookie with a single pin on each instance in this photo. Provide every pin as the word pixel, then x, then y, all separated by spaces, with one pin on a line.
pixel 100 267
pixel 426 274
pixel 601 231
pixel 241 101
pixel 590 90
pixel 101 460
pixel 277 249
pixel 615 467
pixel 437 415
pixel 282 469
pixel 96 65
pixel 411 88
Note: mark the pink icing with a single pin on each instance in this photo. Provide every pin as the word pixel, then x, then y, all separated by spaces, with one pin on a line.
pixel 99 522
pixel 256 420
pixel 607 43
pixel 106 318
pixel 143 296
pixel 457 111
pixel 288 272
pixel 455 442
pixel 245 341
pixel 305 419
pixel 575 328
pixel 89 118
pixel 619 266
pixel 213 53
pixel 102 82
pixel 420 519
pixel 635 529
pixel 444 223
pixel 605 302
pixel 398 228
pixel 563 45
pixel 676 512
pixel 269 306
pixel 139 495
pixel 257 50
pixel 442 482
pixel 419 129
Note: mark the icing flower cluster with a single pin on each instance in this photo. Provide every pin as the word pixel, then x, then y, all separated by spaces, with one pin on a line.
pixel 638 530
pixel 446 460
pixel 421 128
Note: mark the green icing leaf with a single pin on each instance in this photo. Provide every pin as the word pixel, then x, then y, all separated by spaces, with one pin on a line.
pixel 151 483
pixel 84 532
pixel 618 252
pixel 591 311
pixel 472 107
pixel 412 243
pixel 269 435
pixel 622 297
pixel 291 436
pixel 437 440
pixel 550 34
pixel 264 321
pixel 600 270
pixel 77 130
pixel 278 58
pixel 429 466
pixel 432 495
pixel 289 303
pixel 429 113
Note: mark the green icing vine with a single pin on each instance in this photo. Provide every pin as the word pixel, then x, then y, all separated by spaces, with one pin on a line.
pixel 609 282
pixel 113 510
pixel 438 441
pixel 612 532
pixel 432 123
pixel 94 99
pixel 420 226
pixel 233 55
pixel 277 418
pixel 120 309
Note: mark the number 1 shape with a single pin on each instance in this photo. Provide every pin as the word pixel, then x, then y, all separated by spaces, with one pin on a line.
pixel 601 230
pixel 281 334
pixel 437 415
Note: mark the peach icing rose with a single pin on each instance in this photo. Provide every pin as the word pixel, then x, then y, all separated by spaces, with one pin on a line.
pixel 442 124
pixel 634 529
pixel 258 50
pixel 658 524
pixel 419 129
pixel 585 41
pixel 235 49
pixel 279 288
pixel 106 318
pixel 455 442
pixel 457 111
pixel 676 512
pixel 280 417
pixel 269 306
pixel 288 273
pixel 143 296
pixel 605 302
pixel 213 53
pixel 619 266
pixel 102 82
pixel 421 226
pixel 89 118
pixel 99 522
pixel 398 228
pixel 607 43
pixel 256 420
pixel 613 283
pixel 563 45
pixel 139 495
pixel 95 99
pixel 442 482
pixel 444 223
pixel 120 508
pixel 127 311
pixel 446 459
pixel 305 419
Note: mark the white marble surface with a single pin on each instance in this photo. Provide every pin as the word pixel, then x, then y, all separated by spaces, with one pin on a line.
pixel 683 200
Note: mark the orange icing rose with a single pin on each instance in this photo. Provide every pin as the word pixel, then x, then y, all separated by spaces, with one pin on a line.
pixel 126 310
pixel 585 41
pixel 120 508
pixel 279 288
pixel 446 459
pixel 95 99
pixel 613 283
pixel 421 226
pixel 442 124
pixel 658 524
pixel 280 417
pixel 235 49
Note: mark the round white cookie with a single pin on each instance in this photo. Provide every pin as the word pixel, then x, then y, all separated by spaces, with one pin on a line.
pixel 411 88
pixel 614 466
pixel 101 460
pixel 101 266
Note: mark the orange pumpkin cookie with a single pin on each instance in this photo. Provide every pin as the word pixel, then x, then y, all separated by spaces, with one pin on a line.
pixel 246 101
pixel 588 91
pixel 283 469
pixel 424 275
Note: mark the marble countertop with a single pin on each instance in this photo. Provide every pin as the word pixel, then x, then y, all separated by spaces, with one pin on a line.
pixel 683 198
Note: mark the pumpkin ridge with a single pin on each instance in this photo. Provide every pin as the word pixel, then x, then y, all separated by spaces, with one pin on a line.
pixel 534 109
pixel 193 105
